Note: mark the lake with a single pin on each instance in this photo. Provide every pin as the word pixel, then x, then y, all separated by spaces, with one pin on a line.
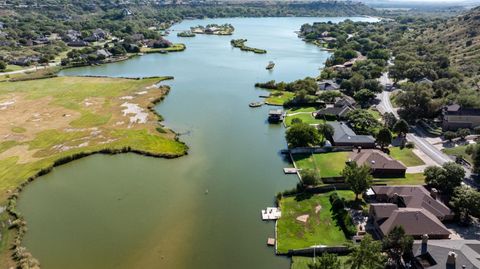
pixel 130 211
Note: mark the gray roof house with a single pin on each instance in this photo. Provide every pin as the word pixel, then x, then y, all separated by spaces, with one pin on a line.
pixel 455 117
pixel 327 85
pixel 344 136
pixel 337 112
pixel 446 254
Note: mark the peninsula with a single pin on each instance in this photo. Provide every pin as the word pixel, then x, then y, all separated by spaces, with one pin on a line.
pixel 240 43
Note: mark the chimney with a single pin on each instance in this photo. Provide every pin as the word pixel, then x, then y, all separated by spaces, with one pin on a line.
pixel 434 193
pixel 452 257
pixel 424 243
pixel 359 149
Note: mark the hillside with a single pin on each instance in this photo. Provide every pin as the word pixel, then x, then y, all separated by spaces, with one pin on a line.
pixel 461 37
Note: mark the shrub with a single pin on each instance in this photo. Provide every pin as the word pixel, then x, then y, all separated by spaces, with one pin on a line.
pixel 341 215
pixel 410 145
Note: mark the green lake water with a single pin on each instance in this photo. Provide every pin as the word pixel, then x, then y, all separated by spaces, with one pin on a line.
pixel 130 211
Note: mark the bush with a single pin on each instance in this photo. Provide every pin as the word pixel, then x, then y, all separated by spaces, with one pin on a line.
pixel 310 177
pixel 341 215
pixel 410 145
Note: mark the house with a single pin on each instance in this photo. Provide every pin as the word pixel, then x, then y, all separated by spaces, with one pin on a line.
pixel 77 43
pixel 381 164
pixel 333 112
pixel 41 41
pixel 441 254
pixel 325 34
pixel 415 221
pixel 102 34
pixel 103 53
pixel 327 85
pixel 425 80
pixel 455 117
pixel 413 196
pixel 344 136
pixel 275 115
pixel 71 35
pixel 126 12
pixel 25 61
pixel 344 101
pixel 2 25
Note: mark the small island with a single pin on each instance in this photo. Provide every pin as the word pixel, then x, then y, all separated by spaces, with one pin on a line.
pixel 186 34
pixel 240 43
pixel 214 29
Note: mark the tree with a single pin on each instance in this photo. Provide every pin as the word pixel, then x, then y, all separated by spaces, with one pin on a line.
pixel 357 177
pixel 3 65
pixel 326 130
pixel 364 96
pixel 449 135
pixel 362 121
pixel 326 261
pixel 445 178
pixel 302 135
pixel 401 127
pixel 463 133
pixel 366 255
pixel 397 244
pixel 296 121
pixel 416 101
pixel 476 159
pixel 390 120
pixel 466 203
pixel 384 137
pixel 310 177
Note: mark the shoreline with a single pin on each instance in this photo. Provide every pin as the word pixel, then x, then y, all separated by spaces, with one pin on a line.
pixel 15 232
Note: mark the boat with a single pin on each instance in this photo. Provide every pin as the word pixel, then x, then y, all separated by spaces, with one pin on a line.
pixel 270 65
pixel 255 104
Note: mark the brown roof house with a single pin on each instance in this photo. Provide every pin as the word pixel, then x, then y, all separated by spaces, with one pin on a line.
pixel 455 117
pixel 381 164
pixel 413 196
pixel 411 207
pixel 446 254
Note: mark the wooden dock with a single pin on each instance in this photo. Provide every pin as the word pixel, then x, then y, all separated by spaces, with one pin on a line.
pixel 271 241
pixel 290 170
pixel 271 213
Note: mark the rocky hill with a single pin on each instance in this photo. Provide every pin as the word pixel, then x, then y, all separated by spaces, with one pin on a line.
pixel 461 37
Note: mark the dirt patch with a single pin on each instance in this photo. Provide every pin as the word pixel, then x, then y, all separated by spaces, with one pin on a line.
pixel 318 208
pixel 303 218
pixel 22 152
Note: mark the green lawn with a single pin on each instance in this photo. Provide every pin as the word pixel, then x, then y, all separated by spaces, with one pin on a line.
pixel 304 262
pixel 278 98
pixel 11 67
pixel 305 117
pixel 173 48
pixel 458 151
pixel 409 179
pixel 375 113
pixel 406 156
pixel 327 164
pixel 320 228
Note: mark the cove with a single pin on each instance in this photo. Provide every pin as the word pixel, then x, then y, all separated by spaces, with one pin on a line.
pixel 130 211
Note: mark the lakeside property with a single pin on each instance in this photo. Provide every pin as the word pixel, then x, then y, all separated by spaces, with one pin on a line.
pixel 241 44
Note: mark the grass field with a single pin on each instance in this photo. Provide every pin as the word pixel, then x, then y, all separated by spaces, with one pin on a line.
pixel 50 119
pixel 409 179
pixel 319 229
pixel 375 113
pixel 458 151
pixel 304 262
pixel 11 67
pixel 278 98
pixel 173 48
pixel 327 164
pixel 406 156
pixel 305 114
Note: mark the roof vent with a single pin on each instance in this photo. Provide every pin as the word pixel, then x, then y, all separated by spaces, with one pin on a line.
pixel 452 257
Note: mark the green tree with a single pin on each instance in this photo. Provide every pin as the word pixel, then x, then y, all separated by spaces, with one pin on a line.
pixel 416 101
pixel 445 178
pixel 466 203
pixel 476 159
pixel 3 66
pixel 397 244
pixel 384 137
pixel 390 120
pixel 362 121
pixel 326 130
pixel 366 255
pixel 302 135
pixel 364 96
pixel 326 261
pixel 401 127
pixel 357 177
pixel 463 133
pixel 310 177
pixel 449 135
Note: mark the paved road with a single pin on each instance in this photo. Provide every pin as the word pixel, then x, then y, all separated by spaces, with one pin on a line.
pixel 29 69
pixel 418 136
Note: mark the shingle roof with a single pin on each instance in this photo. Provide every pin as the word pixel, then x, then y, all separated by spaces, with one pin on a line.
pixel 468 252
pixel 383 210
pixel 415 196
pixel 376 160
pixel 415 222
pixel 337 111
pixel 343 134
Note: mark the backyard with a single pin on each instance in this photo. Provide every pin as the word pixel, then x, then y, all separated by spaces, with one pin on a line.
pixel 459 151
pixel 304 114
pixel 328 164
pixel 308 222
pixel 409 179
pixel 278 98
pixel 406 156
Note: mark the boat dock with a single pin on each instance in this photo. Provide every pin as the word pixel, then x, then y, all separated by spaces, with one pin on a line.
pixel 290 170
pixel 271 213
